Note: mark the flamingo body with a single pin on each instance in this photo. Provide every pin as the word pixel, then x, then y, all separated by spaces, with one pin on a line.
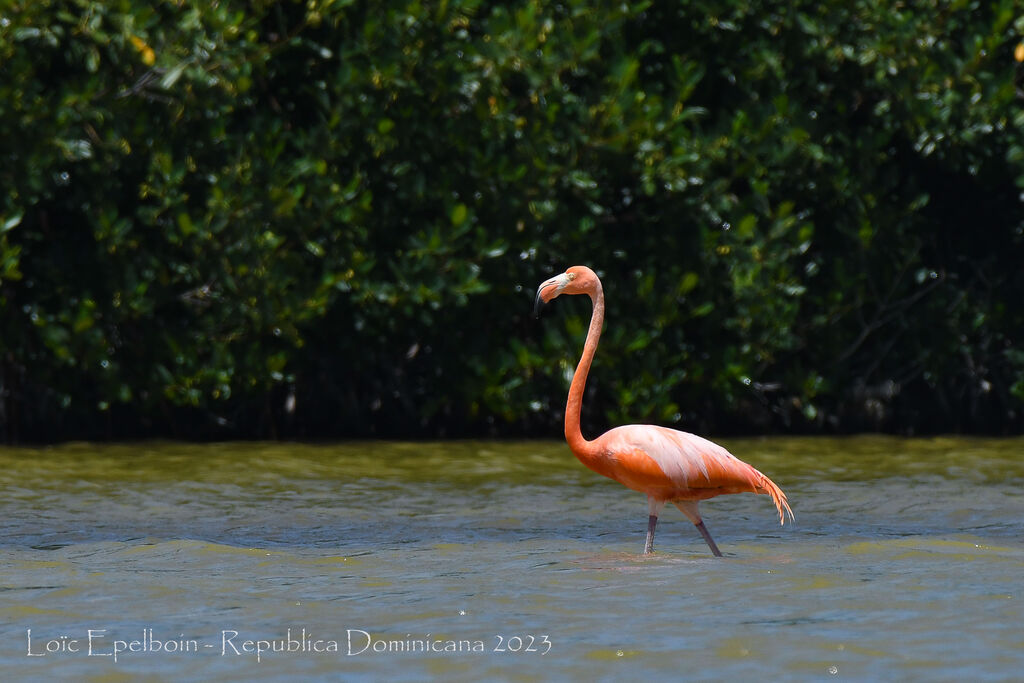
pixel 670 465
pixel 666 464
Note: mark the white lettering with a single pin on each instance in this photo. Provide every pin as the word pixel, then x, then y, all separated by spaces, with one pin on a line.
pixel 361 633
pixel 226 642
pixel 96 634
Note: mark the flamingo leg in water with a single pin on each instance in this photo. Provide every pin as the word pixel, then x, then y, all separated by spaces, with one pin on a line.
pixel 707 537
pixel 689 508
pixel 652 521
pixel 654 508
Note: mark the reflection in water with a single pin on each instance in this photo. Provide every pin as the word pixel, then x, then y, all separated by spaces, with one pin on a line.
pixel 905 560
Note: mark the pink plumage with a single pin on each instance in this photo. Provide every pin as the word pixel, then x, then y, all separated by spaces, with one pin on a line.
pixel 691 467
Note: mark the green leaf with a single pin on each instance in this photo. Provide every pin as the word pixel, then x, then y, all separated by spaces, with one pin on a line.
pixel 173 74
pixel 459 214
pixel 689 281
pixel 11 222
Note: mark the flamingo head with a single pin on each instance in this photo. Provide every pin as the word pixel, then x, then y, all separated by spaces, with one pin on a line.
pixel 575 280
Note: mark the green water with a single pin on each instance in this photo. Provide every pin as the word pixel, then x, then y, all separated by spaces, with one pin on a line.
pixel 905 562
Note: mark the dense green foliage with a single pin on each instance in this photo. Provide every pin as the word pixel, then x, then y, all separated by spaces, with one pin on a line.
pixel 328 218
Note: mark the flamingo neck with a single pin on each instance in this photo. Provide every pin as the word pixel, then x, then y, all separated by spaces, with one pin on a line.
pixel 579 445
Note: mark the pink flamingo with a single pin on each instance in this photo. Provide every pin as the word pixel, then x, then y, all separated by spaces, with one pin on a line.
pixel 666 464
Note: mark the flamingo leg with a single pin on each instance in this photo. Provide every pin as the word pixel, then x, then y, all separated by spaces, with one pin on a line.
pixel 707 537
pixel 654 507
pixel 689 508
pixel 652 521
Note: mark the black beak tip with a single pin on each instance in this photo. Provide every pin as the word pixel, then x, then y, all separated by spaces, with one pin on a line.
pixel 538 303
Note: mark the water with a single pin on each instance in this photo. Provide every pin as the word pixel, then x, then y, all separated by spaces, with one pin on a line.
pixel 905 562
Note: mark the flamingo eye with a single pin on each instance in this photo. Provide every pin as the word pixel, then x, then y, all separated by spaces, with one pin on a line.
pixel 572 276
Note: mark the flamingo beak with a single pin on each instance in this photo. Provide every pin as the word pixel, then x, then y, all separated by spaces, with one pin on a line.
pixel 548 290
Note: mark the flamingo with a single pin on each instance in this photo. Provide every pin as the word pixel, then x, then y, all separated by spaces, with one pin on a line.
pixel 666 464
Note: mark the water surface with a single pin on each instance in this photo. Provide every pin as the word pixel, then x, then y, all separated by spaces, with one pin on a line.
pixel 905 561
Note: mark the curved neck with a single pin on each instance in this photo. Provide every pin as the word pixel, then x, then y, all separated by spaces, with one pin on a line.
pixel 573 435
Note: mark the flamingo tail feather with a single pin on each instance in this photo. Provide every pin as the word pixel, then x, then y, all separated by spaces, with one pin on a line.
pixel 778 497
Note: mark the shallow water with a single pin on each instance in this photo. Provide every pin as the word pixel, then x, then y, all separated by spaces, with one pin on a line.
pixel 905 562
